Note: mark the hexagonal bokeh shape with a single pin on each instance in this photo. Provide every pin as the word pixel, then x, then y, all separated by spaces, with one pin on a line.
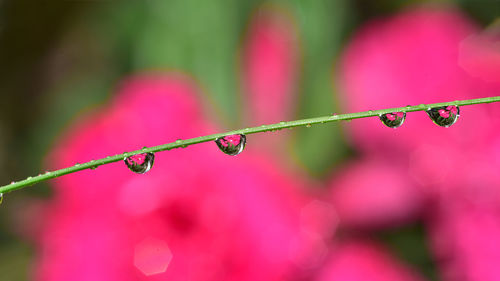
pixel 152 256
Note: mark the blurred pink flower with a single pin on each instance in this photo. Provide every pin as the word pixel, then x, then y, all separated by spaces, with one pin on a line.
pixel 198 214
pixel 270 67
pixel 374 193
pixel 269 70
pixel 364 260
pixel 447 176
pixel 479 54
pixel 202 215
pixel 407 60
pixel 465 240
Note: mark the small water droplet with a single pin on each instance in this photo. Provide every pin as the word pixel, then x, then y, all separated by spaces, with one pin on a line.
pixel 178 141
pixel 1 198
pixel 28 178
pixel 12 182
pixel 308 126
pixel 140 163
pixel 444 116
pixel 394 119
pixel 93 167
pixel 232 145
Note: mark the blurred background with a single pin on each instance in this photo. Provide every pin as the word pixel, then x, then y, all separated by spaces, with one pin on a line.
pixel 63 59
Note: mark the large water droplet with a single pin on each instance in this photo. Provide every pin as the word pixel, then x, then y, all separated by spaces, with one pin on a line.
pixel 231 145
pixel 394 119
pixel 140 163
pixel 444 116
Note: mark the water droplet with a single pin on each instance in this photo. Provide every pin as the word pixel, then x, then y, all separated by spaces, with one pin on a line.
pixel 308 126
pixel 94 167
pixel 12 182
pixel 231 145
pixel 1 198
pixel 394 119
pixel 444 116
pixel 140 163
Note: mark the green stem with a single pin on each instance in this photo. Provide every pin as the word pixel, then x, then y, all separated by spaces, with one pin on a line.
pixel 247 131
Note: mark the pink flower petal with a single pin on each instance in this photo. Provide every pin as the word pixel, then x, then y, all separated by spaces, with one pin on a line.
pixel 409 59
pixel 466 242
pixel 219 218
pixel 361 260
pixel 269 67
pixel 375 193
pixel 479 54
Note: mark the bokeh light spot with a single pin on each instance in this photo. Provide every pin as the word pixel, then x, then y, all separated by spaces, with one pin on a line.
pixel 152 256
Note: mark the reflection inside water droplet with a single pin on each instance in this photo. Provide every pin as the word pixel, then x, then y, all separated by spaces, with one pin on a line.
pixel 444 116
pixel 140 163
pixel 232 145
pixel 394 119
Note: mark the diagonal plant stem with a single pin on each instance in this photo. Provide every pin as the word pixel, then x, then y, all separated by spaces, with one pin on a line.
pixel 264 128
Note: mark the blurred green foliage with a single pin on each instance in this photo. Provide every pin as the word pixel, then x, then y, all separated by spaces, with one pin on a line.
pixel 410 245
pixel 61 58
